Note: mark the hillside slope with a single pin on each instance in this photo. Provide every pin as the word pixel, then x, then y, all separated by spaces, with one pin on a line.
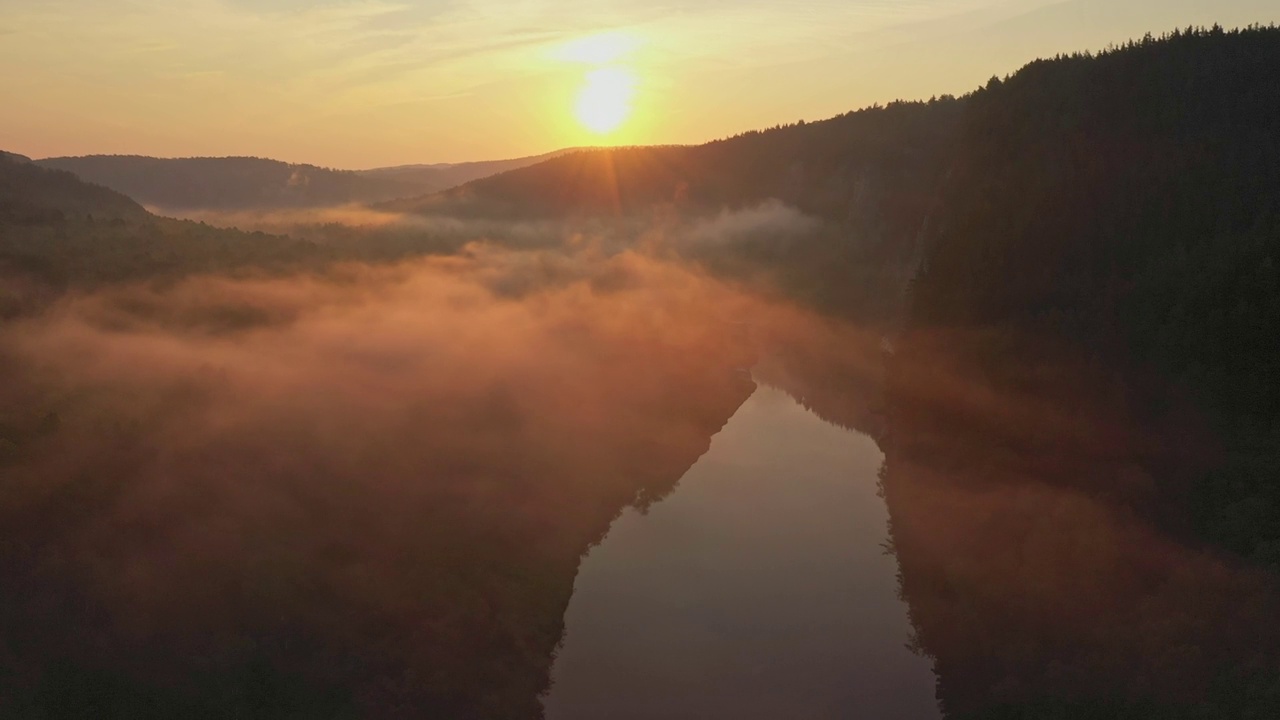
pixel 31 194
pixel 861 185
pixel 442 176
pixel 1125 207
pixel 1090 373
pixel 57 231
pixel 828 168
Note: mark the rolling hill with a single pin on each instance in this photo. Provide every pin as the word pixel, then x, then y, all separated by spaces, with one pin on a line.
pixel 57 231
pixel 244 183
pixel 32 194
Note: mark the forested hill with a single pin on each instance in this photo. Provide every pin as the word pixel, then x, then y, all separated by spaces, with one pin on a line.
pixel 862 185
pixel 1083 183
pixel 1127 207
pixel 58 231
pixel 833 168
pixel 30 194
pixel 242 183
pixel 1092 373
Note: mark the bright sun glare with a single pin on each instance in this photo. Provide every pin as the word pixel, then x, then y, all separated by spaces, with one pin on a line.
pixel 599 49
pixel 605 101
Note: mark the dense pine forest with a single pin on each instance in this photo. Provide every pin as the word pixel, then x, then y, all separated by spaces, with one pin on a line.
pixel 1091 372
pixel 1122 209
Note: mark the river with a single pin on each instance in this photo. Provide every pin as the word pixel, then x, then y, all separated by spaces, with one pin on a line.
pixel 760 588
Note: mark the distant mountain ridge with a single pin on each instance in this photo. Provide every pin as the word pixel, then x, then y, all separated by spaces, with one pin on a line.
pixel 249 183
pixel 442 176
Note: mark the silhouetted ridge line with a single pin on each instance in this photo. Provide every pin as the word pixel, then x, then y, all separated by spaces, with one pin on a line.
pixel 241 183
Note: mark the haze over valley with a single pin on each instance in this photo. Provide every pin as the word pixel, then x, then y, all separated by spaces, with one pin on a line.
pixel 959 407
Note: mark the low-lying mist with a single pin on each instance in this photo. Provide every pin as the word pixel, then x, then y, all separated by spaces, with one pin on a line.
pixel 348 490
pixel 667 228
pixel 361 487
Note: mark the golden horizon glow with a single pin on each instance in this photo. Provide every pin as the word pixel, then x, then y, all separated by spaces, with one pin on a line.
pixel 371 83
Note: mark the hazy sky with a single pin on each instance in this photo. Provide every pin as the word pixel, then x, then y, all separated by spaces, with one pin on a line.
pixel 362 83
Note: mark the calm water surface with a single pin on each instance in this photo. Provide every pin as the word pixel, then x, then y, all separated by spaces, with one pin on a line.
pixel 758 589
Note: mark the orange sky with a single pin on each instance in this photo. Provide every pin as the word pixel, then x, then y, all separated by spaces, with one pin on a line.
pixel 363 83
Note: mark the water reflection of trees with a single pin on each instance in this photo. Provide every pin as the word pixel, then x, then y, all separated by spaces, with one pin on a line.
pixel 1046 552
pixel 1046 569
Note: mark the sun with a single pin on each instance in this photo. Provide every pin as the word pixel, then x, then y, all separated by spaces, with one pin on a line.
pixel 605 99
pixel 604 103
